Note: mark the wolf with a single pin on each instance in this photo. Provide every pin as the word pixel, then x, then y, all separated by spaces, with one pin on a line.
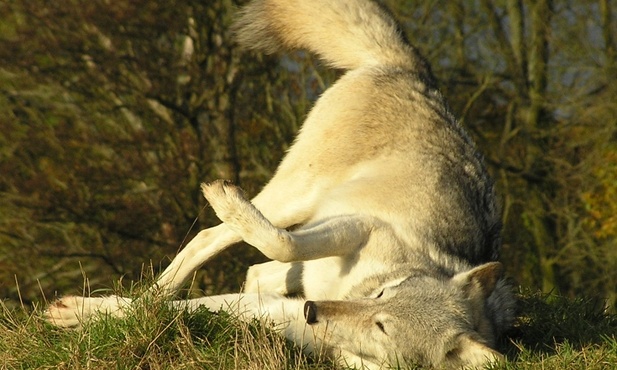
pixel 381 222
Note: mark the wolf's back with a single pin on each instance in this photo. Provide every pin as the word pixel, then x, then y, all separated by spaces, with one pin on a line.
pixel 347 34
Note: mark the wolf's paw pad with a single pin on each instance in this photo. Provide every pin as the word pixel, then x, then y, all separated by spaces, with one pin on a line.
pixel 72 311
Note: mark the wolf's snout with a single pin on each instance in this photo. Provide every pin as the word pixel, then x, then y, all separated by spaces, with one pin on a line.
pixel 310 312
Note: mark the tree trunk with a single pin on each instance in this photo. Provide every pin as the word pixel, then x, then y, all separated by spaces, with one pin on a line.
pixel 536 121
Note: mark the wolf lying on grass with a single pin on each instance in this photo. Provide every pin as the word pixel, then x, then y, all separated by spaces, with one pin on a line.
pixel 381 217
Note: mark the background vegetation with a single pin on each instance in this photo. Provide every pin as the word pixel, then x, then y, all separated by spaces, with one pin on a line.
pixel 112 113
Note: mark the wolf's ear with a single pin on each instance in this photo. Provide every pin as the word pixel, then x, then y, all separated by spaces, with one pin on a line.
pixel 480 281
pixel 469 353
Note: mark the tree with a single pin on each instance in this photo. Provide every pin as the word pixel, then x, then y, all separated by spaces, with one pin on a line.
pixel 112 115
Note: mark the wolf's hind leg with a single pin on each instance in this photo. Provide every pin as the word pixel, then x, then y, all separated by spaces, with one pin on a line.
pixel 333 236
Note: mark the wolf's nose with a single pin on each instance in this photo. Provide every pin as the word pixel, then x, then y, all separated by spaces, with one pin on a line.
pixel 310 312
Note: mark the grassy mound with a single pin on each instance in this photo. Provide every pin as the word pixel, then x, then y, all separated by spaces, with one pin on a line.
pixel 552 333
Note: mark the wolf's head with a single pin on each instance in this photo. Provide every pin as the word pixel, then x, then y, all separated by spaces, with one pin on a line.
pixel 424 320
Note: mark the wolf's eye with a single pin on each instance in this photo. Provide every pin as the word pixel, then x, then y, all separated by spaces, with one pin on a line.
pixel 380 294
pixel 380 326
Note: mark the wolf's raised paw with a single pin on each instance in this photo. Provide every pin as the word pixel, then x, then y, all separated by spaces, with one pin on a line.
pixel 72 311
pixel 226 199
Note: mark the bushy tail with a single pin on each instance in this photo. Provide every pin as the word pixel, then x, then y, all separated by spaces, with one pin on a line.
pixel 347 34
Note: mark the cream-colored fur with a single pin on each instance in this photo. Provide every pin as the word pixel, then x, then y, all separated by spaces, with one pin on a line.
pixel 394 227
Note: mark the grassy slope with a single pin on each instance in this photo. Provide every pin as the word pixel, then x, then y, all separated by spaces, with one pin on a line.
pixel 553 333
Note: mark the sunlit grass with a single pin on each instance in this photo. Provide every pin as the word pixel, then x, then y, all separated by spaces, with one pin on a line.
pixel 552 333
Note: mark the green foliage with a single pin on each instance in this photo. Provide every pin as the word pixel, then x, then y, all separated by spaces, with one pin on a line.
pixel 599 201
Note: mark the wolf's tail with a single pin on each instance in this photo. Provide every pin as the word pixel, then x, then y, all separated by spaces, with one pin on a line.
pixel 347 34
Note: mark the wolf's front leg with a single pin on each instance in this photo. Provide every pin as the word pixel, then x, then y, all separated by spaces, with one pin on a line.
pixel 245 306
pixel 286 314
pixel 72 311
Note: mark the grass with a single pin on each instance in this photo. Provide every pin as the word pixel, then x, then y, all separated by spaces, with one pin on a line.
pixel 552 333
pixel 558 333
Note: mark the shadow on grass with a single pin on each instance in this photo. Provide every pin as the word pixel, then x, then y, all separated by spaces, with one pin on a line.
pixel 546 321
